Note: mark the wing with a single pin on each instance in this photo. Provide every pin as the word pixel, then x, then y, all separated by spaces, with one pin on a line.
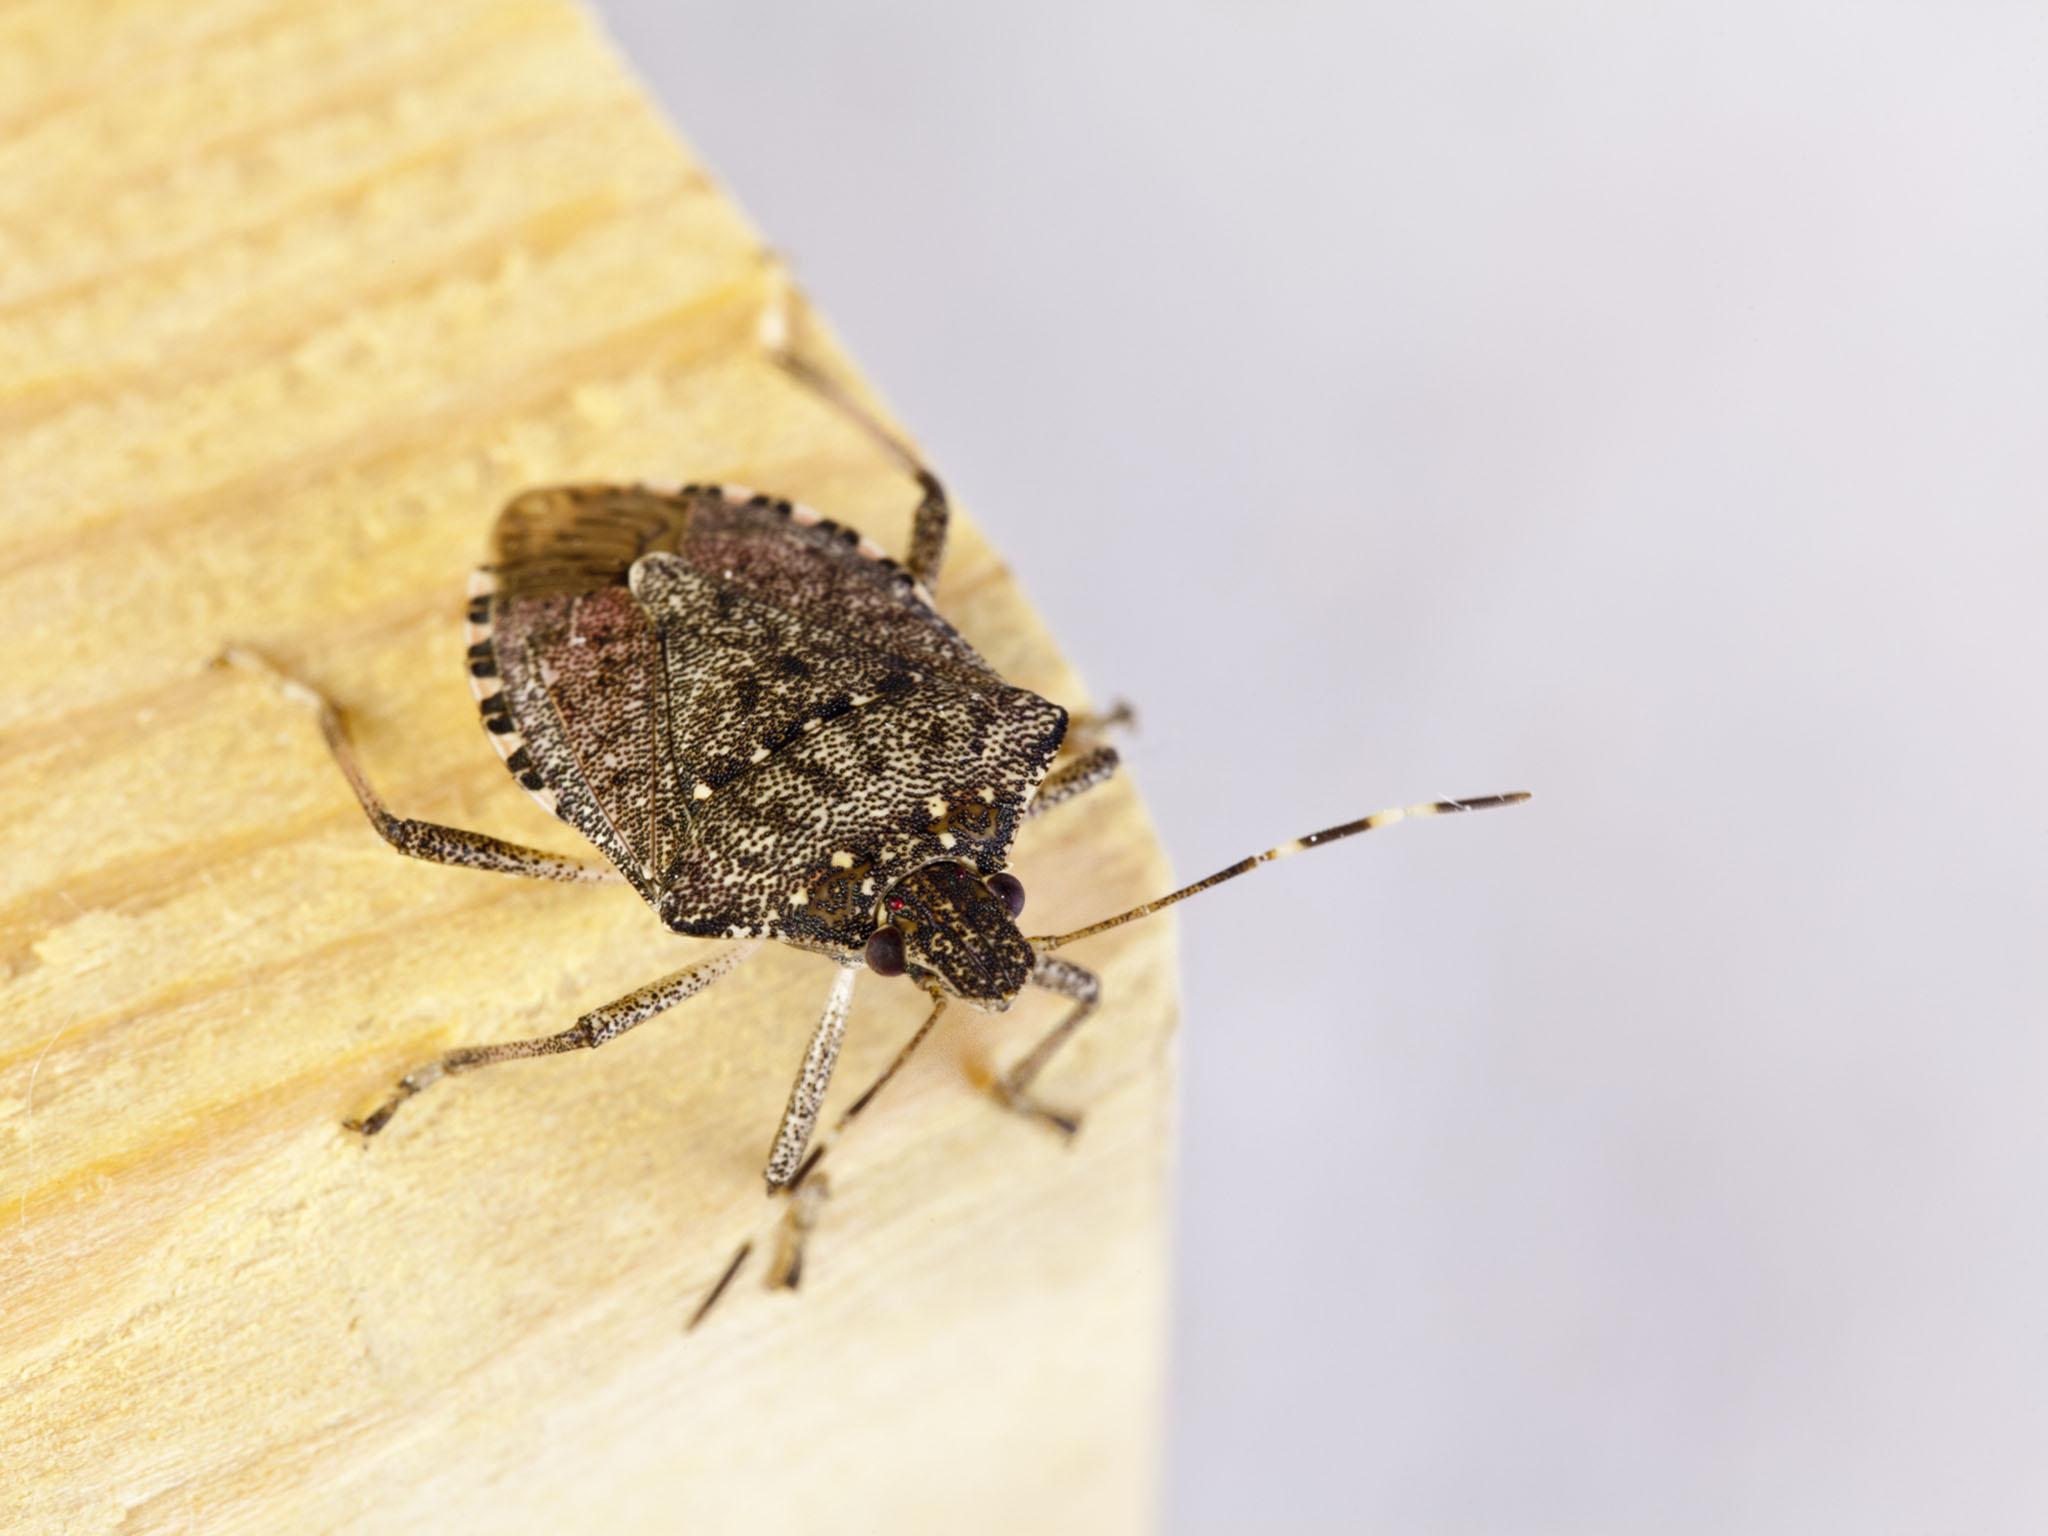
pixel 819 766
pixel 751 711
pixel 570 691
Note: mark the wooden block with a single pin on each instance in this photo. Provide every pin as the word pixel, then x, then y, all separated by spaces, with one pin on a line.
pixel 292 298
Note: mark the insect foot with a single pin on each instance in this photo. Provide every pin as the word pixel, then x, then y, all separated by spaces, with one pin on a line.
pixel 1016 1100
pixel 803 1201
pixel 1083 989
pixel 1088 728
pixel 408 1085
pixel 806 1202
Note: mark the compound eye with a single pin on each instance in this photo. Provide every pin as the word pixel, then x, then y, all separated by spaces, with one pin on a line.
pixel 1009 890
pixel 885 952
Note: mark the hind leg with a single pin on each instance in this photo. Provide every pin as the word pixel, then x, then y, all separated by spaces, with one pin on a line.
pixel 934 513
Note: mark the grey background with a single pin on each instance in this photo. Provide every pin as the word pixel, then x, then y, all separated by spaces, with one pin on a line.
pixel 1638 404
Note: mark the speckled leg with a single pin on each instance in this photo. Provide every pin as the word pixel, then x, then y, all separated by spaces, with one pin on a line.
pixel 929 523
pixel 1077 777
pixel 1084 989
pixel 813 1078
pixel 416 839
pixel 800 1213
pixel 586 1034
pixel 1087 728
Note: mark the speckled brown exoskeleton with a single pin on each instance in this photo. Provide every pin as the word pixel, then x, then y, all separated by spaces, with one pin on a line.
pixel 764 725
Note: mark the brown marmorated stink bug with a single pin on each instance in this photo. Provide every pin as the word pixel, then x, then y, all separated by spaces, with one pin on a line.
pixel 763 724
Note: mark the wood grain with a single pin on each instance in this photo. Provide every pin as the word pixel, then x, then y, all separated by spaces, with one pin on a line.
pixel 292 298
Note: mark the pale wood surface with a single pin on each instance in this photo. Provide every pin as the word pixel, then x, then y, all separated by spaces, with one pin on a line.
pixel 292 297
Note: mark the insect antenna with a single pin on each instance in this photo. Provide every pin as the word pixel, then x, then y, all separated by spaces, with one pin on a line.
pixel 1299 845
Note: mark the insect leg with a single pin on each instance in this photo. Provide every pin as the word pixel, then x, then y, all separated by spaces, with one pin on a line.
pixel 1091 768
pixel 786 1263
pixel 786 1269
pixel 1084 989
pixel 928 524
pixel 807 1094
pixel 587 1033
pixel 800 1215
pixel 1087 727
pixel 426 840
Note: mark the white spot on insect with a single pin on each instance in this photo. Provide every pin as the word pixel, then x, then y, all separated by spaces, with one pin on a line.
pixel 804 515
pixel 860 699
pixel 867 887
pixel 812 724
pixel 936 805
pixel 759 755
pixel 734 492
pixel 870 548
pixel 946 839
pixel 842 860
pixel 988 797
pixel 799 897
pixel 1288 850
pixel 701 792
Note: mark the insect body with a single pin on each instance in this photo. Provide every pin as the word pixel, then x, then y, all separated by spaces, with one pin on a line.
pixel 759 719
pixel 763 724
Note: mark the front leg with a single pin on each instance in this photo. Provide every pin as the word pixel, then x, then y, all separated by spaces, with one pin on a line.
pixel 1084 988
pixel 804 1191
pixel 813 1078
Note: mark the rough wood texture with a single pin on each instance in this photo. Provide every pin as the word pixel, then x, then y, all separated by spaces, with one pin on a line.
pixel 292 298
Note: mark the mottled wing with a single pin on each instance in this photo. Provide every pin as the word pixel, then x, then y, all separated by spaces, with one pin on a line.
pixel 567 540
pixel 567 668
pixel 571 696
pixel 820 763
pixel 768 725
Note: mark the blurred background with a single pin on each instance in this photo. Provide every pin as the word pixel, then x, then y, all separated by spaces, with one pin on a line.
pixel 1643 405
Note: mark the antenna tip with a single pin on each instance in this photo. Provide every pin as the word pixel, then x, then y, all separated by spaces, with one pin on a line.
pixel 1481 802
